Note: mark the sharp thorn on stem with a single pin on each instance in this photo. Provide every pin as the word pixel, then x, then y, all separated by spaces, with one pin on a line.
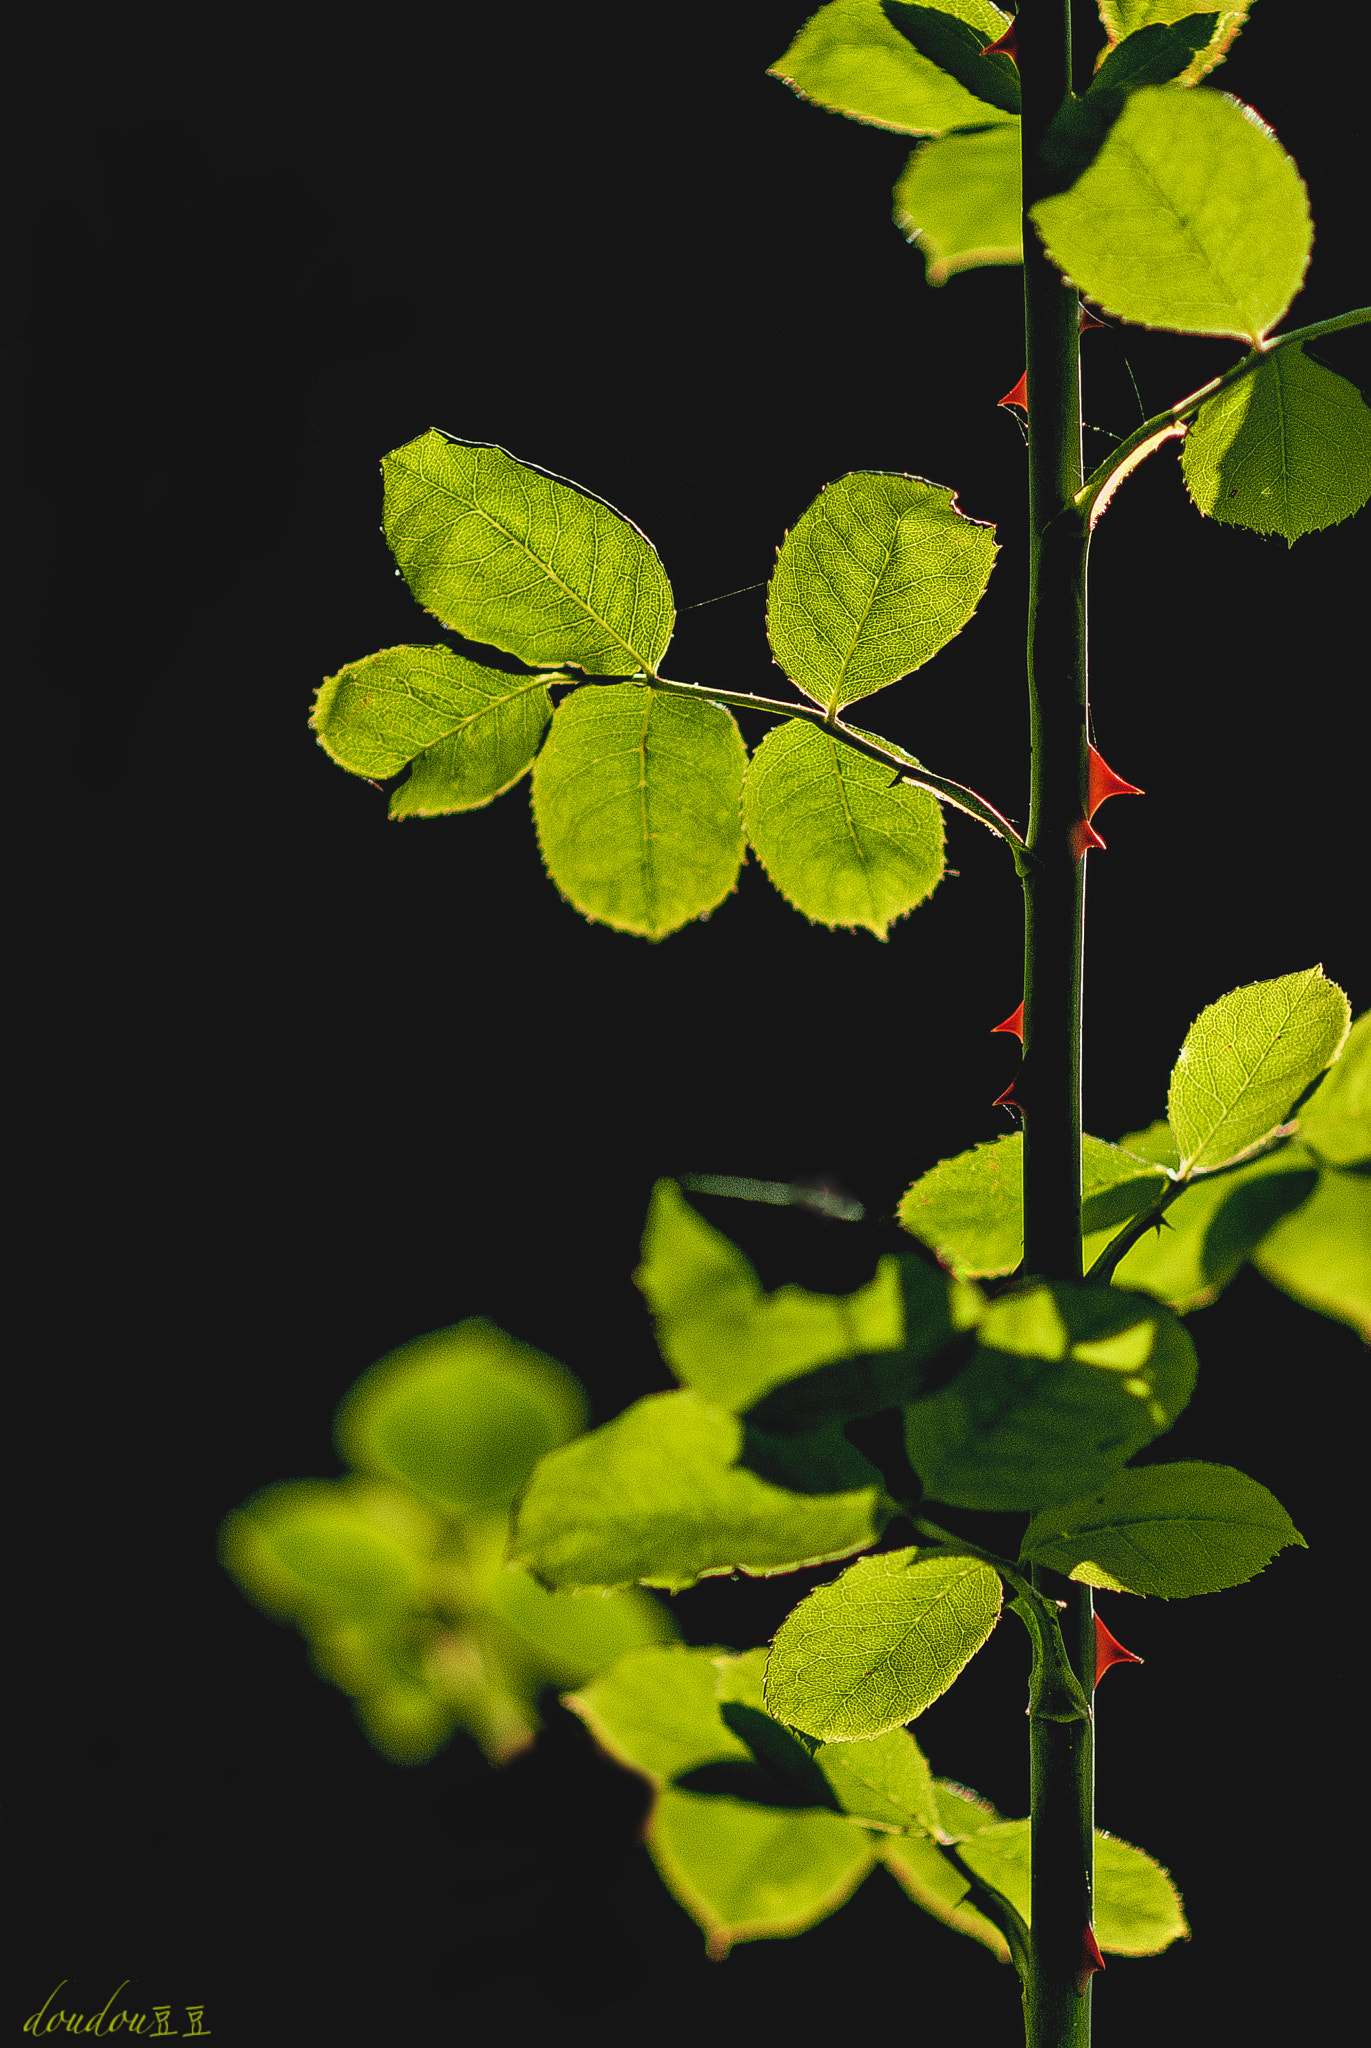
pixel 1102 783
pixel 1091 1960
pixel 1013 1022
pixel 1108 1650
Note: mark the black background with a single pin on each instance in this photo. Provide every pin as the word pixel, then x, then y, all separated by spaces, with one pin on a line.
pixel 309 1084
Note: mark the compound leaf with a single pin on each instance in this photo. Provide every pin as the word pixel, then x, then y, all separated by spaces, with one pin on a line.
pixel 1335 1123
pixel 1191 217
pixel 1211 1231
pixel 1066 1383
pixel 1138 1910
pixel 874 577
pixel 960 200
pixel 657 1497
pixel 1321 1252
pixel 503 553
pixel 723 1336
pixel 848 58
pixel 1171 1530
pixel 463 1415
pixel 635 801
pixel 844 840
pixel 1246 1058
pixel 1287 451
pixel 969 1209
pixel 872 1650
pixel 470 732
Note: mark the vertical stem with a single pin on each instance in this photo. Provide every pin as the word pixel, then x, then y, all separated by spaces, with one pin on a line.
pixel 1048 1091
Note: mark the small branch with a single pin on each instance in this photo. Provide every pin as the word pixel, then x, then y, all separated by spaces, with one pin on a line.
pixel 1119 1247
pixel 1164 426
pixel 998 1910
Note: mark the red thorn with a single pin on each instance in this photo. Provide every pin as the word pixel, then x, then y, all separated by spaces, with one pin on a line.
pixel 1018 396
pixel 1083 836
pixel 1005 47
pixel 1108 1651
pixel 1014 1023
pixel 1104 783
pixel 1009 1100
pixel 1088 319
pixel 1091 1960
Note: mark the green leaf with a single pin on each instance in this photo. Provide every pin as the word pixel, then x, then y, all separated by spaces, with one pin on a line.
pixel 874 577
pixel 1155 1143
pixel 1210 1232
pixel 1172 1530
pixel 1246 1058
pixel 1335 1123
pixel 883 1782
pixel 1287 451
pixel 1138 1910
pixel 657 1497
pixel 723 1336
pixel 924 1873
pixel 956 48
pixel 1321 1254
pixel 469 731
pixel 657 1711
pixel 315 1550
pixel 1156 53
pixel 635 800
pixel 1066 1383
pixel 574 1635
pixel 1134 17
pixel 960 198
pixel 848 58
pixel 503 553
pixel 872 1650
pixel 1191 217
pixel 843 846
pixel 463 1415
pixel 750 1873
pixel 969 1209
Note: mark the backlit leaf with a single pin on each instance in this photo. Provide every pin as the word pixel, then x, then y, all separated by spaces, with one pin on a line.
pixel 656 1711
pixel 960 198
pixel 1335 1123
pixel 576 1634
pixel 1191 217
pixel 841 837
pixel 657 1497
pixel 969 1209
pixel 1321 1253
pixel 882 1642
pixel 1066 1383
pixel 469 731
pixel 635 800
pixel 957 49
pixel 749 1873
pixel 723 1336
pixel 848 58
pixel 317 1549
pixel 924 1873
pixel 1287 451
pixel 1172 1530
pixel 882 1782
pixel 1245 1060
pixel 1123 18
pixel 1208 1235
pixel 874 577
pixel 463 1415
pixel 1155 54
pixel 505 554
pixel 1138 1910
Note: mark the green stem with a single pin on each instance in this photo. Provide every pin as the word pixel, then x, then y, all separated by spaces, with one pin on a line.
pixel 1048 1091
pixel 1101 482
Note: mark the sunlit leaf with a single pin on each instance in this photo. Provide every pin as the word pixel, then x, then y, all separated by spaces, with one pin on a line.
pixel 882 1642
pixel 1335 1123
pixel 540 568
pixel 1246 1058
pixel 1210 1232
pixel 463 1415
pixel 470 732
pixel 635 800
pixel 874 577
pixel 657 1497
pixel 1321 1253
pixel 925 1874
pixel 1066 1383
pixel 574 1635
pixel 1287 451
pixel 1163 49
pixel 318 1549
pixel 940 35
pixel 960 198
pixel 1137 1909
pixel 841 837
pixel 723 1336
pixel 1172 1530
pixel 883 1782
pixel 746 1872
pixel 1191 217
pixel 656 1710
pixel 848 58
